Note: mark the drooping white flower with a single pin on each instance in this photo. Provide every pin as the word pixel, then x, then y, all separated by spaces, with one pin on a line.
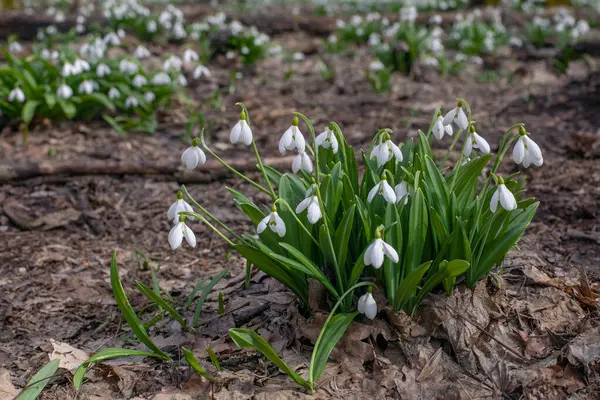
pixel 385 151
pixel 172 63
pixel 292 139
pixel 190 56
pixel 81 66
pixel 193 155
pixel 383 188
pixel 161 78
pixel 376 251
pixel 15 47
pixel 503 196
pixel 439 129
pixel 376 66
pixel 128 67
pixel 302 160
pixel 149 97
pixel 474 141
pixel 87 87
pixel 102 70
pixel 178 232
pixel 327 140
pixel 139 81
pixel 112 39
pixel 181 80
pixel 241 131
pixel 201 71
pixel 141 52
pixel 64 91
pixel 16 94
pixel 114 93
pixel 458 116
pixel 403 191
pixel 178 206
pixel 152 26
pixel 274 222
pixel 314 211
pixel 527 152
pixel 131 102
pixel 367 305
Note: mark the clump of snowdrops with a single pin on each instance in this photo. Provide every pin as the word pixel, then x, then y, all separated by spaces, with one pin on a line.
pixel 407 223
pixel 474 37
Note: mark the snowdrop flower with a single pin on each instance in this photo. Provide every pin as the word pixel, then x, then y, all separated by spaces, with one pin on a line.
pixel 64 91
pixel 178 206
pixel 102 70
pixel 385 151
pixel 173 62
pixel 241 131
pixel 298 56
pixel 87 87
pixel 292 139
pixel 527 152
pixel 314 210
pixel 327 139
pixel 114 93
pixel 178 232
pixel 131 102
pixel 302 160
pixel 274 222
pixel 193 155
pixel 81 65
pixel 16 94
pixel 366 305
pixel 149 97
pixel 79 28
pixel 15 47
pixel 458 116
pixel 161 78
pixel 179 31
pixel 141 52
pixel 112 39
pixel 503 196
pixel 474 141
pixel 152 26
pixel 181 80
pixel 190 56
pixel 439 129
pixel 377 250
pixel 121 33
pixel 403 191
pixel 201 71
pixel 128 67
pixel 139 81
pixel 376 66
pixel 383 188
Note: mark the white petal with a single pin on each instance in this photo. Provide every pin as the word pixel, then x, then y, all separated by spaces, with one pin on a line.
pixel 494 202
pixel 360 307
pixel 396 151
pixel 401 190
pixel 388 192
pixel 482 144
pixel 246 133
pixel 519 151
pixel 449 130
pixel 527 159
pixel 279 225
pixel 370 306
pixel 390 252
pixel 297 163
pixel 438 128
pixel 334 144
pixel 383 155
pixel 449 117
pixel 236 131
pixel 320 140
pixel 303 205
pixel 300 142
pixel 533 148
pixel 286 140
pixel 190 157
pixel 187 207
pixel 262 225
pixel 538 162
pixel 176 235
pixel 307 164
pixel 373 192
pixel 507 199
pixel 189 235
pixel 314 212
pixel 201 155
pixel 367 258
pixel 377 254
pixel 468 147
pixel 462 121
pixel 171 214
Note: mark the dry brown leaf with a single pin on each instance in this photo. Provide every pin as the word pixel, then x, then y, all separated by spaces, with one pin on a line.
pixel 7 390
pixel 70 357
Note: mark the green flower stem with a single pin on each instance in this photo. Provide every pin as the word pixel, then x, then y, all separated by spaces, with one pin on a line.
pixel 287 205
pixel 211 226
pixel 258 159
pixel 209 215
pixel 230 168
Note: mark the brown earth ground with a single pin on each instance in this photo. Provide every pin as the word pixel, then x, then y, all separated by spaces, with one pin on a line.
pixel 530 331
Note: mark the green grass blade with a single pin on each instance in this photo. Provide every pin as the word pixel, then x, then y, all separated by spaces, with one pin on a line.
pixel 38 382
pixel 195 364
pixel 160 302
pixel 205 292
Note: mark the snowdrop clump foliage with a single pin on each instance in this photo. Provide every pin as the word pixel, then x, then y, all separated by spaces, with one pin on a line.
pixel 403 221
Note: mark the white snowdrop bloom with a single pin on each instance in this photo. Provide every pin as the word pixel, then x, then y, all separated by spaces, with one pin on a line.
pixel 179 31
pixel 102 70
pixel 274 222
pixel 458 116
pixel 152 26
pixel 581 28
pixel 181 80
pixel 178 206
pixel 81 66
pixel 241 131
pixel 302 161
pixel 408 14
pixel 149 97
pixel 201 71
pixel 376 66
pixel 112 39
pixel 190 56
pixel 383 188
pixel 139 81
pixel 367 305
pixel 64 91
pixel 327 140
pixel 340 23
pixel 16 94
pixel 503 196
pixel 374 40
pixel 80 19
pixel 376 252
pixel 45 54
pixel 51 30
pixel 161 78
pixel 59 17
pixel 385 151
pixel 131 102
pixel 474 141
pixel 298 56
pixel 230 55
pixel 193 155
pixel 178 232
pixel 80 28
pixel 128 67
pixel 87 87
pixel 172 63
pixel 121 33
pixel 333 39
pixel 114 93
pixel 527 152
pixel 403 191
pixel 314 210
pixel 435 19
pixel 141 52
pixel 15 47
pixel 516 41
pixel 292 139
pixel 245 50
pixel 439 129
pixel 236 27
